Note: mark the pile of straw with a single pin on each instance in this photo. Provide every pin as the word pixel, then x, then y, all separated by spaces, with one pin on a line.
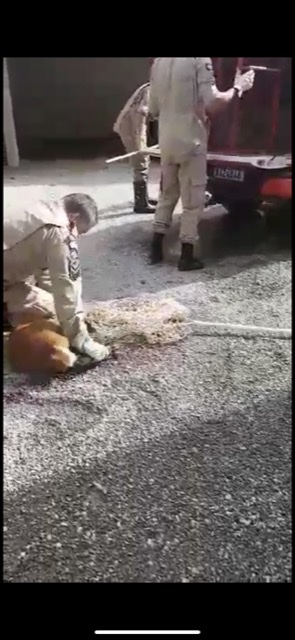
pixel 138 321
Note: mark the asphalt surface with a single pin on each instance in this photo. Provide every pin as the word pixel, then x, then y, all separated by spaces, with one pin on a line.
pixel 169 464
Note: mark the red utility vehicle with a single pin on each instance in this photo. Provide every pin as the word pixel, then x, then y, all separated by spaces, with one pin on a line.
pixel 249 159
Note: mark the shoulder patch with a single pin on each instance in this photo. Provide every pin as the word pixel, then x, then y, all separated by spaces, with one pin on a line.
pixel 74 265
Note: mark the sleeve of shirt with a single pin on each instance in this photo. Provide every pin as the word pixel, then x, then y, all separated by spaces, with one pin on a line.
pixel 206 83
pixel 153 103
pixel 65 274
pixel 144 101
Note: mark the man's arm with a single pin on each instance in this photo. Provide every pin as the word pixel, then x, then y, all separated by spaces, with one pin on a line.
pixel 65 274
pixel 215 100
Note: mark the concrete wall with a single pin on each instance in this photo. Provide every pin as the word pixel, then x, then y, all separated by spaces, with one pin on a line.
pixel 78 99
pixel 71 98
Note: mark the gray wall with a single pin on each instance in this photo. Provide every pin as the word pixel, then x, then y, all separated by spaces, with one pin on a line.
pixel 71 98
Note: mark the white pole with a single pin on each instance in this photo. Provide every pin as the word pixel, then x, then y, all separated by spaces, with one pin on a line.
pixel 241 329
pixel 8 124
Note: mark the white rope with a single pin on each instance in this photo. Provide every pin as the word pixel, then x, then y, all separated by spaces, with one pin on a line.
pixel 237 329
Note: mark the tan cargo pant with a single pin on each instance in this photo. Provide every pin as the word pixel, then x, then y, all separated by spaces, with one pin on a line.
pixel 27 297
pixel 139 163
pixel 26 302
pixel 32 299
pixel 188 181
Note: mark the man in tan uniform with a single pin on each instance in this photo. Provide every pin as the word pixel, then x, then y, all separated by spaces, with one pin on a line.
pixel 42 274
pixel 131 126
pixel 183 93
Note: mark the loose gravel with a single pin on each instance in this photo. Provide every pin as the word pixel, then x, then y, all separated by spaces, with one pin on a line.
pixel 169 464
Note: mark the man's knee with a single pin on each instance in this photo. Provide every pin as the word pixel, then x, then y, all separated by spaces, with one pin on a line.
pixel 197 196
pixel 169 193
pixel 193 206
pixel 169 186
pixel 193 195
pixel 193 180
pixel 140 167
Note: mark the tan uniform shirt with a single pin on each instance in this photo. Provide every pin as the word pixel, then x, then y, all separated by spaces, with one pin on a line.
pixel 133 117
pixel 180 91
pixel 39 238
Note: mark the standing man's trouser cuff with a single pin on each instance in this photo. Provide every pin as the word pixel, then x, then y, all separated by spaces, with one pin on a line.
pixel 160 227
pixel 189 232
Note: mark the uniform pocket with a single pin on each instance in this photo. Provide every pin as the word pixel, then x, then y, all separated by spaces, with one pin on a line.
pixel 193 180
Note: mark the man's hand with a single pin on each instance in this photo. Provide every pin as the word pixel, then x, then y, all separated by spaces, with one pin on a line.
pixel 89 347
pixel 244 81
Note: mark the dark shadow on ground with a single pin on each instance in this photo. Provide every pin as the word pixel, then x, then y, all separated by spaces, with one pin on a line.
pixel 226 249
pixel 208 503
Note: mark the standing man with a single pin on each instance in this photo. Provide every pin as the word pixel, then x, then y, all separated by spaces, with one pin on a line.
pixel 131 126
pixel 183 94
pixel 40 248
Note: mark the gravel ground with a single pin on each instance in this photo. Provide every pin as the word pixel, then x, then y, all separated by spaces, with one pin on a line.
pixel 170 464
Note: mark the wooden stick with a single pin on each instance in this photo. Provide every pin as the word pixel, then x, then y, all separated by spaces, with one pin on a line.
pixel 133 153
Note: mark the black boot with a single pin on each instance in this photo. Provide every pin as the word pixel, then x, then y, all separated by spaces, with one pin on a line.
pixel 141 203
pixel 157 248
pixel 187 261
